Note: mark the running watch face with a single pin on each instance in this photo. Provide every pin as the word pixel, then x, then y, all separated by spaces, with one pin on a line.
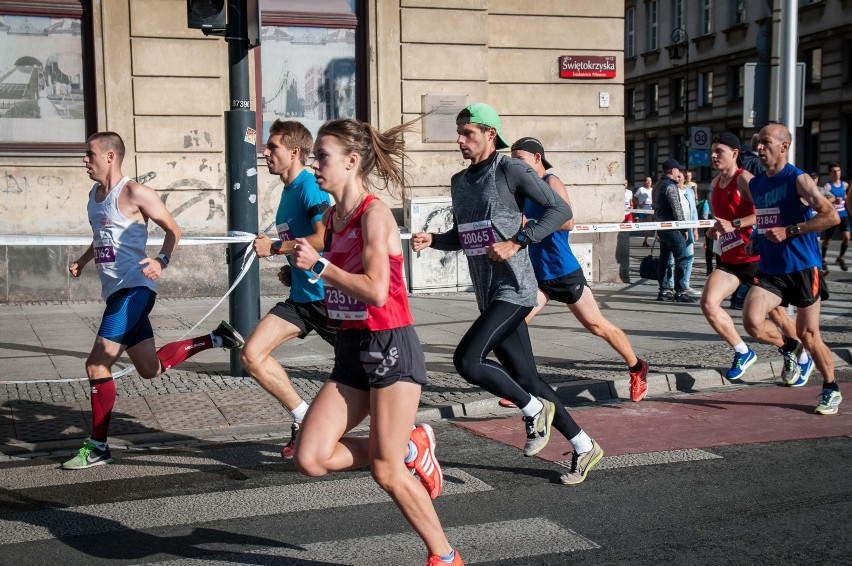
pixel 317 268
pixel 522 239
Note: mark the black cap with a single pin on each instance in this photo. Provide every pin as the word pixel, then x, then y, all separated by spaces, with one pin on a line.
pixel 670 164
pixel 532 145
pixel 728 139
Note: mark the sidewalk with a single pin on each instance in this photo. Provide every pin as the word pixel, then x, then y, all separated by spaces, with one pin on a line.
pixel 50 341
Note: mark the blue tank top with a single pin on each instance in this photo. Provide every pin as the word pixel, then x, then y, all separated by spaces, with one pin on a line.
pixel 840 203
pixel 777 204
pixel 552 257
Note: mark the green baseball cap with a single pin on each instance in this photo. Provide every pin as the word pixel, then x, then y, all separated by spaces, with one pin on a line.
pixel 481 113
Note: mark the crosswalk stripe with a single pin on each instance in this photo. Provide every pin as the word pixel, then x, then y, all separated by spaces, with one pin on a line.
pixel 137 464
pixel 481 543
pixel 201 508
pixel 650 459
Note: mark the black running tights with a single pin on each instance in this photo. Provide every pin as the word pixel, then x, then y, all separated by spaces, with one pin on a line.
pixel 501 328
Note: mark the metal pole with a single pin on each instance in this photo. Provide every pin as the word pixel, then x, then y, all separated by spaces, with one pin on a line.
pixel 688 135
pixel 241 156
pixel 790 41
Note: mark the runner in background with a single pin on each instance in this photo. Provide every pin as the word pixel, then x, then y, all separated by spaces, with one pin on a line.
pixel 835 191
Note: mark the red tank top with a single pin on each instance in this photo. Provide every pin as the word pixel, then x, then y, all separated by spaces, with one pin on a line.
pixel 729 205
pixel 343 248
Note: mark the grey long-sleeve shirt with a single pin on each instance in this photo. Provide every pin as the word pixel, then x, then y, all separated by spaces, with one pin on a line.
pixel 488 207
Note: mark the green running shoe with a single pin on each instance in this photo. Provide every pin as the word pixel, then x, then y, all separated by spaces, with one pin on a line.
pixel 87 457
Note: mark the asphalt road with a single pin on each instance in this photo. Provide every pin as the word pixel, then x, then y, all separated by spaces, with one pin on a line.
pixel 739 487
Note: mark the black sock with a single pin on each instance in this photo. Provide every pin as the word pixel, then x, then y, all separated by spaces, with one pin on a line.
pixel 637 367
pixel 790 344
pixel 833 386
pixel 842 250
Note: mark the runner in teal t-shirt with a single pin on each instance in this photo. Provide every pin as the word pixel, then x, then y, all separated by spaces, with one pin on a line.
pixel 299 216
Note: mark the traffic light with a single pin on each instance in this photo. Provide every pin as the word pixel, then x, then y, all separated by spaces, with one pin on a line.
pixel 206 15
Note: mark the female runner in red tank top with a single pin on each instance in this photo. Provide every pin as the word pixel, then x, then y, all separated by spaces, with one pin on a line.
pixel 379 367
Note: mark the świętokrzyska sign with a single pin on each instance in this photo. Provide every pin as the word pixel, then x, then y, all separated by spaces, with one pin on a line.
pixel 587 67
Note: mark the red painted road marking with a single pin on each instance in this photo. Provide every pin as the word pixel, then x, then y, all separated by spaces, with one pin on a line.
pixel 744 416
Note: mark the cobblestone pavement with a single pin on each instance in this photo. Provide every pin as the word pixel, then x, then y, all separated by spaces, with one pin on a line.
pixel 44 402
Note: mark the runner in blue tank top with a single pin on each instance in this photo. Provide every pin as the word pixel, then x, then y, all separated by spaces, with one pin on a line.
pixel 836 191
pixel 789 269
pixel 561 278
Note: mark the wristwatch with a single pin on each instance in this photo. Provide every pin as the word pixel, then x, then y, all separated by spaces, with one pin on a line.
pixel 317 270
pixel 164 258
pixel 737 223
pixel 793 230
pixel 522 239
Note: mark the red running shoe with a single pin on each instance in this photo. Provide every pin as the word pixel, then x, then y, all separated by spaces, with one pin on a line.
pixel 290 447
pixel 505 403
pixel 426 465
pixel 639 382
pixel 435 560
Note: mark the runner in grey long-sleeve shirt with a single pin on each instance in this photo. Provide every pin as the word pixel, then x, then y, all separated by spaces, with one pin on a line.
pixel 488 200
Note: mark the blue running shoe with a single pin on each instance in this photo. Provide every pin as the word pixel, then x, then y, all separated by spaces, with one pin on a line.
pixel 829 401
pixel 741 363
pixel 805 370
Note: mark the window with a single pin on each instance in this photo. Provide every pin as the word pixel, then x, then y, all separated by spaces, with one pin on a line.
pixel 677 14
pixel 736 80
pixel 651 157
pixel 630 103
pixel 46 91
pixel 630 162
pixel 678 147
pixel 738 12
pixel 651 13
pixel 807 146
pixel 813 67
pixel 678 93
pixel 630 33
pixel 652 104
pixel 705 88
pixel 311 62
pixel 706 17
pixel 846 60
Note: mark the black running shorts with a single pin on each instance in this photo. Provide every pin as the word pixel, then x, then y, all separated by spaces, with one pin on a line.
pixel 745 272
pixel 366 359
pixel 307 317
pixel 566 289
pixel 800 288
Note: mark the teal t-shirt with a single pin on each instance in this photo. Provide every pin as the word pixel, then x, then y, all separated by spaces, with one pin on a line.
pixel 302 204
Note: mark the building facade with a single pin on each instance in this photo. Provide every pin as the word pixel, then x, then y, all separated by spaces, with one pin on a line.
pixel 721 38
pixel 69 68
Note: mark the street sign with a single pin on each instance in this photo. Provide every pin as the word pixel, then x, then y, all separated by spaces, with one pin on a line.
pixel 699 138
pixel 699 158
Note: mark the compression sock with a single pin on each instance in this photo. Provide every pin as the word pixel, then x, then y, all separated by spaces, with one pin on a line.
pixel 103 399
pixel 741 348
pixel 532 408
pixel 175 353
pixel 842 250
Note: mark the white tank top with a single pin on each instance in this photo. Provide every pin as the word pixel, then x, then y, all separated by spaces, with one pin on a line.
pixel 119 244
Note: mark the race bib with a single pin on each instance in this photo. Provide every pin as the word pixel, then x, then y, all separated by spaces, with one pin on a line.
pixel 341 306
pixel 840 204
pixel 284 232
pixel 730 240
pixel 104 254
pixel 476 236
pixel 768 218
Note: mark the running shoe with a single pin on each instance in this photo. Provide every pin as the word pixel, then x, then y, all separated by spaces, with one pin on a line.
pixel 231 339
pixel 665 295
pixel 426 465
pixel 839 261
pixel 538 428
pixel 581 464
pixel 684 297
pixel 290 447
pixel 506 404
pixel 639 383
pixel 791 371
pixel 88 456
pixel 829 401
pixel 805 370
pixel 741 363
pixel 435 560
